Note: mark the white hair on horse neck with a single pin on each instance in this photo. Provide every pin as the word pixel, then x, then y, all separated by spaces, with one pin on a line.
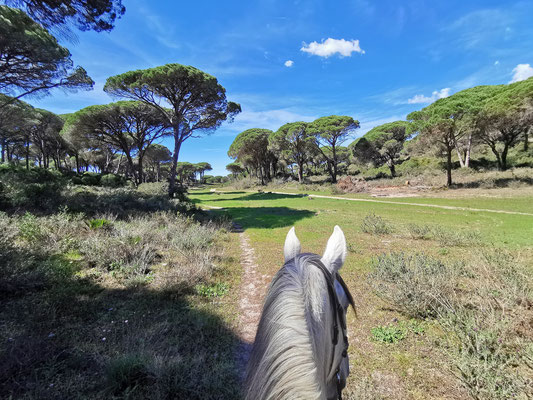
pixel 293 347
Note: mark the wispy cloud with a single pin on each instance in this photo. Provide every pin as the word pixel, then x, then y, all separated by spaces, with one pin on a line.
pixel 159 29
pixel 421 99
pixel 289 63
pixel 480 26
pixel 521 72
pixel 329 47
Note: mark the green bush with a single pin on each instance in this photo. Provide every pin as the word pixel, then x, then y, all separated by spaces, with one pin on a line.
pixel 154 188
pixel 375 225
pixel 112 180
pixel 35 188
pixel 30 228
pixel 90 179
pixel 419 231
pixel 418 165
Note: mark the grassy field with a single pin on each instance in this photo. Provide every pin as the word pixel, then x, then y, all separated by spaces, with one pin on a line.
pixel 394 352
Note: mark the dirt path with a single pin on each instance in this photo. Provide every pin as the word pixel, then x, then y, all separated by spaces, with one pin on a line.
pixel 408 204
pixel 252 291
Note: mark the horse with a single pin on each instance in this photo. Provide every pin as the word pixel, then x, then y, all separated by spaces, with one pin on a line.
pixel 300 348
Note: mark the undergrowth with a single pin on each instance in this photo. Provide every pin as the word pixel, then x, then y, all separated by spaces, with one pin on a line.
pixel 482 307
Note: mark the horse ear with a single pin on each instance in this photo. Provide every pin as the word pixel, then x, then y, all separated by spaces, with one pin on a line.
pixel 335 252
pixel 292 246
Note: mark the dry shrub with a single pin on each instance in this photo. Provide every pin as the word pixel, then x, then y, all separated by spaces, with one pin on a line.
pixel 445 236
pixel 421 285
pixel 350 184
pixel 482 307
pixel 181 248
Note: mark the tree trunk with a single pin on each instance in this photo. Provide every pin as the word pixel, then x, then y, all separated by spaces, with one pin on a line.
pixel 141 175
pixel 449 165
pixel 392 168
pixel 504 157
pixel 334 150
pixel 300 172
pixel 77 157
pixel 468 150
pixel 262 177
pixel 173 169
pixel 459 156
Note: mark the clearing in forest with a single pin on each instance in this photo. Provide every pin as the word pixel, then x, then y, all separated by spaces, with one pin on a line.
pixel 392 353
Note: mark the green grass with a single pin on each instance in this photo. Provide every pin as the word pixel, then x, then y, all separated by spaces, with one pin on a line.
pixel 264 210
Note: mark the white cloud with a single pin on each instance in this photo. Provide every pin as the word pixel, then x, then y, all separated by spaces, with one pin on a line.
pixel 522 72
pixel 497 62
pixel 437 94
pixel 330 46
pixel 289 63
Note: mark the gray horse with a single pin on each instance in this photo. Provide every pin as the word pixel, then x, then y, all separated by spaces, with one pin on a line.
pixel 300 349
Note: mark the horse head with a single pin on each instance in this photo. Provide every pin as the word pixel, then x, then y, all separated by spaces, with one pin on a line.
pixel 300 350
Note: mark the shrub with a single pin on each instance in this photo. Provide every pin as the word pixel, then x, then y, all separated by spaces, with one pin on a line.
pixel 447 237
pixel 481 311
pixel 479 349
pixel 375 225
pixel 153 188
pixel 90 178
pixel 444 236
pixel 421 285
pixel 112 180
pixel 419 231
pixel 29 228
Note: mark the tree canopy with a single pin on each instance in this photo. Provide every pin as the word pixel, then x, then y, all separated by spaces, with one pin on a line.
pixel 97 15
pixel 506 116
pixel 129 126
pixel 197 101
pixel 332 131
pixel 294 144
pixel 382 144
pixel 250 148
pixel 32 61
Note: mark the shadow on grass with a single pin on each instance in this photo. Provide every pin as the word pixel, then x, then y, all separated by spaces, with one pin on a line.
pixel 260 197
pixel 64 335
pixel 264 217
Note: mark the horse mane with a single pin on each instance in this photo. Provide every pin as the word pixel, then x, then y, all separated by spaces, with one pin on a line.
pixel 286 359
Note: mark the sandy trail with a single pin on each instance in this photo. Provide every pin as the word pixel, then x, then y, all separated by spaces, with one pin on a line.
pixel 252 291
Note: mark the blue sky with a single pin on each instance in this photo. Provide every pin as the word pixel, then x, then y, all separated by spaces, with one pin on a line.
pixel 289 60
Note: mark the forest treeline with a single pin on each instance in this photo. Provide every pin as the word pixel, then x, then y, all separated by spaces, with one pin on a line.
pixel 172 100
pixel 474 121
pixel 181 102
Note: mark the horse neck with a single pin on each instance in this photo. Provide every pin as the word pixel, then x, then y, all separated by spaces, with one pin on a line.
pixel 291 355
